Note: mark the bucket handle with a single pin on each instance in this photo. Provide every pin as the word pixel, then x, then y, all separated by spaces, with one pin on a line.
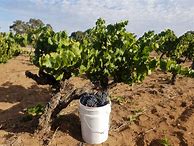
pixel 99 132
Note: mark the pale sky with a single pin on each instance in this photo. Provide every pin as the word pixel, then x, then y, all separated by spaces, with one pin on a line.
pixel 74 15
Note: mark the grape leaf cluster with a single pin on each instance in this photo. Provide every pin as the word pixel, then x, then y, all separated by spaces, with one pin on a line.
pixel 94 100
pixel 111 52
pixel 8 47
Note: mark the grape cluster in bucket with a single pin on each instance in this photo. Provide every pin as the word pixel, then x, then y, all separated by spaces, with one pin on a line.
pixel 94 100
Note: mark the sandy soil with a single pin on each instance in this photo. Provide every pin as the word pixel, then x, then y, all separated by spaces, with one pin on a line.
pixel 142 114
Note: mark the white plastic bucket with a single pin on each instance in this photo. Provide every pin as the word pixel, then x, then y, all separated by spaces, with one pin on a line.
pixel 94 123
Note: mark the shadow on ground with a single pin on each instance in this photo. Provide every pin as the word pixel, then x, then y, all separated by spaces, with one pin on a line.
pixel 14 99
pixel 70 124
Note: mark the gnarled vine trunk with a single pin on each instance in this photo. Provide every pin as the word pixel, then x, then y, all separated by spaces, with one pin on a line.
pixel 60 100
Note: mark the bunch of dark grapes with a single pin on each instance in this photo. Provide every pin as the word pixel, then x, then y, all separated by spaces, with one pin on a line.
pixel 102 98
pixel 94 100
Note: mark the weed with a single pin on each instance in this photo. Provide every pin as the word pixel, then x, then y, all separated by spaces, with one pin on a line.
pixel 165 142
pixel 119 99
pixel 135 114
pixel 35 110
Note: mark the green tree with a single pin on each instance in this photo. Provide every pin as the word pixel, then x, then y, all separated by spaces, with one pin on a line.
pixel 34 23
pixel 78 36
pixel 21 27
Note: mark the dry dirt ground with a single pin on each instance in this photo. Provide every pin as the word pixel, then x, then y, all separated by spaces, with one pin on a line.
pixel 142 115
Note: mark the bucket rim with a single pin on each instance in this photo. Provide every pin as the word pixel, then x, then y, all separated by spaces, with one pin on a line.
pixel 94 108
